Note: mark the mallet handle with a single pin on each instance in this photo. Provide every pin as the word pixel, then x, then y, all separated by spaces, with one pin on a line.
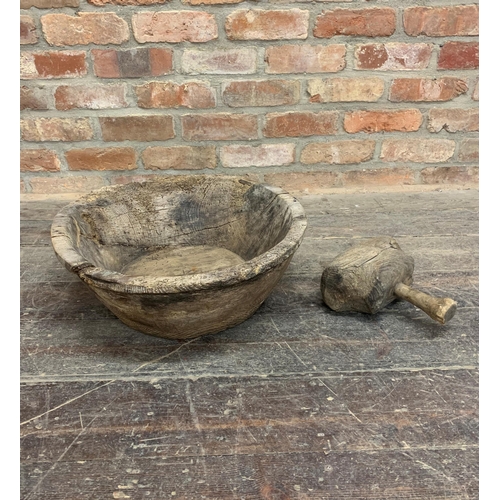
pixel 441 310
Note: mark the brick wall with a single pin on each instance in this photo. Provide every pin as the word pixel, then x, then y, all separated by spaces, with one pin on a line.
pixel 302 94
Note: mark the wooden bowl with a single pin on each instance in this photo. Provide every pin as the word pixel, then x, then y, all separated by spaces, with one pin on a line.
pixel 181 256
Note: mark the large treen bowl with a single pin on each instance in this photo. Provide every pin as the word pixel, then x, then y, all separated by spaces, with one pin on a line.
pixel 181 256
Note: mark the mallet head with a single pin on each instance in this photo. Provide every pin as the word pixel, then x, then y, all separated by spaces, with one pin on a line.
pixel 363 278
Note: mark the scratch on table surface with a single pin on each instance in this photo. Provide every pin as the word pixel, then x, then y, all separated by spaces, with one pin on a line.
pixel 154 439
pixel 436 391
pixel 54 465
pixel 253 437
pixel 179 357
pixel 67 402
pixel 156 360
pixel 350 412
pixel 274 324
pixel 163 357
pixel 426 466
pixel 440 472
pixel 192 408
pixel 324 385
pixel 196 422
pixel 399 382
pixel 295 354
pixel 353 414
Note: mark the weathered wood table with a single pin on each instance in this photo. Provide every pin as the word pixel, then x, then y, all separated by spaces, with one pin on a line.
pixel 297 402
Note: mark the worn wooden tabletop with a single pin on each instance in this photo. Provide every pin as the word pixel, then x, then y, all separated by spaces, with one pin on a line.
pixel 297 402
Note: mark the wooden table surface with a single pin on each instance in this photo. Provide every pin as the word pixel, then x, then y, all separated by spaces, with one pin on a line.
pixel 296 402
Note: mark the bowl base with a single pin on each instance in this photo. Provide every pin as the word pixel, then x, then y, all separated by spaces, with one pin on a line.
pixel 182 261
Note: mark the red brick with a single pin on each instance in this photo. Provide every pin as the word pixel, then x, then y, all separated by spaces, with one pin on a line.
pixel 301 124
pixel 468 150
pixel 179 158
pixel 219 61
pixel 101 159
pixel 401 120
pixel 453 120
pixel 106 63
pixel 48 65
pixel 132 63
pixel 305 58
pixel 174 26
pixel 304 182
pixel 35 98
pixel 219 127
pixel 417 150
pixel 84 28
pixel 264 155
pixel 256 24
pixel 345 89
pixel 73 184
pixel 393 56
pixel 39 160
pixel 426 89
pixel 56 129
pixel 28 31
pixel 101 3
pixel 191 95
pixel 356 22
pixel 160 60
pixel 459 55
pixel 338 152
pixel 450 175
pixel 90 97
pixel 137 128
pixel 396 176
pixel 49 4
pixel 455 20
pixel 261 93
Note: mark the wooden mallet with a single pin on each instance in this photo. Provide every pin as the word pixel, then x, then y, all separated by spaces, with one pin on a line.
pixel 370 275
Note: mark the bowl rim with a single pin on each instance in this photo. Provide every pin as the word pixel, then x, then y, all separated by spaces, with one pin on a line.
pixel 101 278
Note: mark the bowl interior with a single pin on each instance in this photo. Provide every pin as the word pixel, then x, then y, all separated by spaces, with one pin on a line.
pixel 178 225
